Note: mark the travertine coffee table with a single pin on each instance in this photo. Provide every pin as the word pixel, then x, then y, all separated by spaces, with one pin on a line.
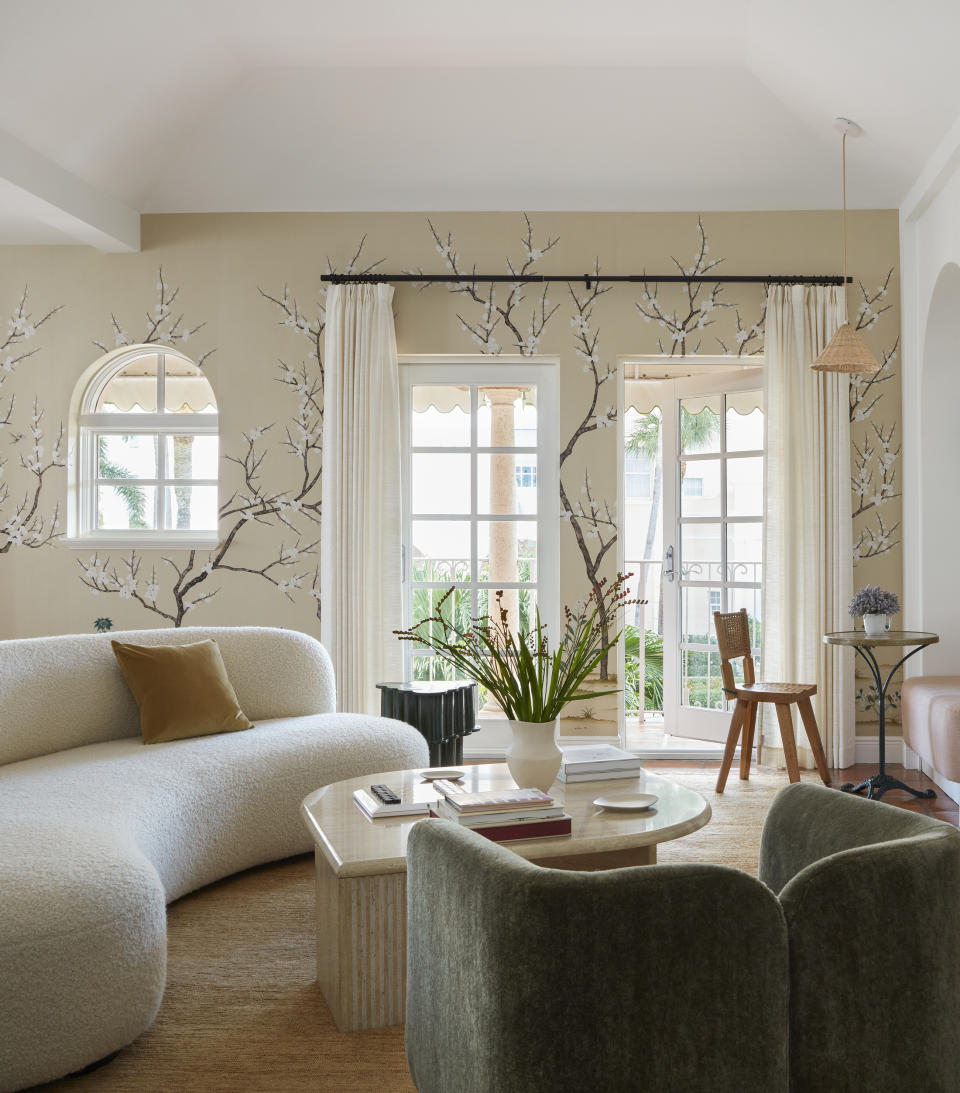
pixel 361 872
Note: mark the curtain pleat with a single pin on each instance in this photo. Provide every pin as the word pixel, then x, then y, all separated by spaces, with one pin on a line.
pixel 360 567
pixel 808 555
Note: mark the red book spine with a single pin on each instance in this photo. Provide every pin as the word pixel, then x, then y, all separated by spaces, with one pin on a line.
pixel 532 830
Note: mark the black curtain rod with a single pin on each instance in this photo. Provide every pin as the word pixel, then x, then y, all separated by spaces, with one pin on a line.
pixel 589 279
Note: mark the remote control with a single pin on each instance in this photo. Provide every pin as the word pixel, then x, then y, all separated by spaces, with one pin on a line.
pixel 385 794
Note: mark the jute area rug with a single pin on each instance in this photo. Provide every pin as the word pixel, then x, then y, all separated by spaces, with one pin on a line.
pixel 242 1011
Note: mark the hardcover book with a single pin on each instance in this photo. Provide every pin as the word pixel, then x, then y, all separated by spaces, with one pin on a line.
pixel 492 800
pixel 592 757
pixel 482 819
pixel 374 809
pixel 598 775
pixel 533 829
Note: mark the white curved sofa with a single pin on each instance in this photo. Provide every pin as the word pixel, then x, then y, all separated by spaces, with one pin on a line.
pixel 98 832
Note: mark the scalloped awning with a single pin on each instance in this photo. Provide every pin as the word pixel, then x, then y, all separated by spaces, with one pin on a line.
pixel 446 397
pixel 138 394
pixel 645 396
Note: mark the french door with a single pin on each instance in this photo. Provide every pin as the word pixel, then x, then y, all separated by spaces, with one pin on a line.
pixel 713 454
pixel 480 508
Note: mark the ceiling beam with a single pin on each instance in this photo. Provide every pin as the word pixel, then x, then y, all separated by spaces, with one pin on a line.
pixel 936 173
pixel 60 199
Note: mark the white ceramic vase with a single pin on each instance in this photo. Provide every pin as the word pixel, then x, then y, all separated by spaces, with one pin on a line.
pixel 875 626
pixel 533 757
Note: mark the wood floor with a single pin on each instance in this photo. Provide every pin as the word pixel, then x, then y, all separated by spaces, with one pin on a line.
pixel 940 807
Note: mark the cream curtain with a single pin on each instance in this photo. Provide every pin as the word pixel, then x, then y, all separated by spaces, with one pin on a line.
pixel 360 567
pixel 807 556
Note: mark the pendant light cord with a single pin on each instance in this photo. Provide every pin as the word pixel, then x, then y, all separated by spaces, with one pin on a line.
pixel 843 222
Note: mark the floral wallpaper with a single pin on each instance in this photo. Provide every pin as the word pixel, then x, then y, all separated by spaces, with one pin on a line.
pixel 30 508
pixel 256 327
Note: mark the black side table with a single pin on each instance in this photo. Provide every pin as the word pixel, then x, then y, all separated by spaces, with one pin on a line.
pixel 878 784
pixel 443 712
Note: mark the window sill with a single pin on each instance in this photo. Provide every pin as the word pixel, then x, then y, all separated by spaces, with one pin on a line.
pixel 143 541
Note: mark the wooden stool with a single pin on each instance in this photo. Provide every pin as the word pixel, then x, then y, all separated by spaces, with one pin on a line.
pixel 733 640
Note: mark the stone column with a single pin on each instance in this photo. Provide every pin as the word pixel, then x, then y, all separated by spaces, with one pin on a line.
pixel 503 497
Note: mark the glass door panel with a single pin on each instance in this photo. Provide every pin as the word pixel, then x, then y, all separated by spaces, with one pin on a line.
pixel 716 474
pixel 472 509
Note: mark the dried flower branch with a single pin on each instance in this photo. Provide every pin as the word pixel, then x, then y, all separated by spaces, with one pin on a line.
pixel 530 681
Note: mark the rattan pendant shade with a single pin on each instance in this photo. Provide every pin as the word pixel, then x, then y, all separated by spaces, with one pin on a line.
pixel 846 351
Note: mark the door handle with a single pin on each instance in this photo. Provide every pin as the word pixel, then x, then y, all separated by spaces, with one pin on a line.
pixel 668 570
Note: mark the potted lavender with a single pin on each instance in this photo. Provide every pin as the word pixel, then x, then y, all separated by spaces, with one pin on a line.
pixel 876 606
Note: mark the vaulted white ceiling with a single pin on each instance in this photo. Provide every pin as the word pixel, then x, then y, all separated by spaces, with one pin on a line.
pixel 109 108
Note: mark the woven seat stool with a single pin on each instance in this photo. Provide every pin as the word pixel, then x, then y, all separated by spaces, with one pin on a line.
pixel 733 641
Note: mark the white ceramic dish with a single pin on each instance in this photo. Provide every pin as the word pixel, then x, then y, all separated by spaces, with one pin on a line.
pixel 433 775
pixel 626 802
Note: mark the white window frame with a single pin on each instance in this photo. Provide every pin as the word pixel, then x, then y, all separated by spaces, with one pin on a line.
pixel 678 369
pixel 490 371
pixel 91 424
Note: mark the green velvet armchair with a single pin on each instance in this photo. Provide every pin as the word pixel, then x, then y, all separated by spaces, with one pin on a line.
pixel 838 972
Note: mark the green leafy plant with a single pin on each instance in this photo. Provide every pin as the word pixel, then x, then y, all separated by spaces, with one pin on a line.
pixel 530 681
pixel 133 497
pixel 652 696
pixel 697 433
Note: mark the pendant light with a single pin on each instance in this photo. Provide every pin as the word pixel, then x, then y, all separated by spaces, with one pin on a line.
pixel 846 351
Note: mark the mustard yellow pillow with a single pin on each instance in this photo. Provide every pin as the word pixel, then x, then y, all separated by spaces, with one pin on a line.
pixel 182 690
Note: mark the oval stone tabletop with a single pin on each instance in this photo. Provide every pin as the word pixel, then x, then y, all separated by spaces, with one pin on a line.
pixel 891 637
pixel 356 846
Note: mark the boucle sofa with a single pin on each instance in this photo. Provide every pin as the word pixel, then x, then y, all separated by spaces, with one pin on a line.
pixel 98 832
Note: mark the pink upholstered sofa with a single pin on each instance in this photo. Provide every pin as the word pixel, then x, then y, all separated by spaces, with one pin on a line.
pixel 931 722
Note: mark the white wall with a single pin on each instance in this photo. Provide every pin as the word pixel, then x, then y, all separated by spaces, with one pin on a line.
pixel 930 242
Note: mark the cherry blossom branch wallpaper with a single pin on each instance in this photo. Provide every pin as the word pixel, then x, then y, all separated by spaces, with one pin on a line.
pixel 30 497
pixel 241 296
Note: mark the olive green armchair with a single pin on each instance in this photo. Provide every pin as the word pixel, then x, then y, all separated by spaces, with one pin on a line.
pixel 837 970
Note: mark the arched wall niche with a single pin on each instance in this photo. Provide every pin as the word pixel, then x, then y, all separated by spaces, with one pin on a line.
pixel 939 477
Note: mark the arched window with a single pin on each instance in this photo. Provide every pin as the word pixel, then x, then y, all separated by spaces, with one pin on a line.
pixel 147 453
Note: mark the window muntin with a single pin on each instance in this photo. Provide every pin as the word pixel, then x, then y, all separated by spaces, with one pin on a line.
pixel 149 450
pixel 476 497
pixel 721 531
pixel 526 475
pixel 692 487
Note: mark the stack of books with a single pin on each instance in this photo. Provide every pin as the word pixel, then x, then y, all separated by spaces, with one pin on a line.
pixel 379 801
pixel 595 763
pixel 501 815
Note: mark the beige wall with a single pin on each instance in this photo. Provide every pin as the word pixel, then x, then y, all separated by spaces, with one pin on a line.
pixel 220 263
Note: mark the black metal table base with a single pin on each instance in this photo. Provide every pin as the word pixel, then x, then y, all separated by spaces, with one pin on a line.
pixel 878 784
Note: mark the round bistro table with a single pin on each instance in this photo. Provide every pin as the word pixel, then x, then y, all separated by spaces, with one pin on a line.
pixel 878 784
